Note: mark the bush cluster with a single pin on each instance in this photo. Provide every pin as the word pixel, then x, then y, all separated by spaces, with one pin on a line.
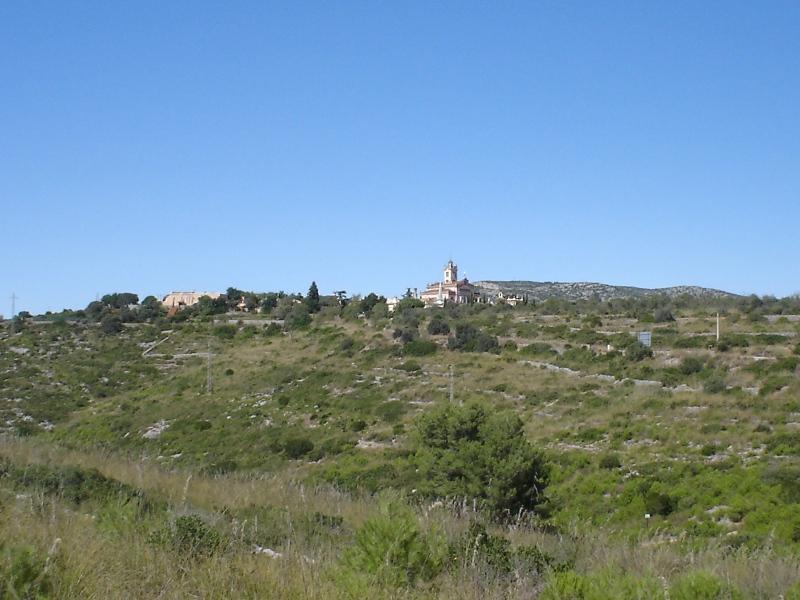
pixel 392 550
pixel 438 326
pixel 469 338
pixel 466 451
pixel 189 535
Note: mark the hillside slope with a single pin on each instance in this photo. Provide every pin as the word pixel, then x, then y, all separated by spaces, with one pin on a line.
pixel 281 468
pixel 542 290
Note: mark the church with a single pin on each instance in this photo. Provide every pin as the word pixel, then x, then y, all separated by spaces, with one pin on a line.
pixel 450 289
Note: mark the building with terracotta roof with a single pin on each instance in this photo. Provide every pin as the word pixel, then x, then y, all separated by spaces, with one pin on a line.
pixel 450 289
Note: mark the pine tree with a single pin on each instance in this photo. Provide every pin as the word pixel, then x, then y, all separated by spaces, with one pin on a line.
pixel 312 299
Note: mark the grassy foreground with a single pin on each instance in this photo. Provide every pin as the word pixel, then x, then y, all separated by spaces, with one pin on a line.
pixel 95 526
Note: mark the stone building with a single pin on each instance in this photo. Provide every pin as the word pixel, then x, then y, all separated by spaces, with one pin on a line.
pixel 450 289
pixel 178 300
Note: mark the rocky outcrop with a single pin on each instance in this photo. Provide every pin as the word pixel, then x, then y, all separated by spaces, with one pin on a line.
pixel 536 290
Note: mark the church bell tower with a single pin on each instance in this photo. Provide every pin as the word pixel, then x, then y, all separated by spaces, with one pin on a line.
pixel 450 272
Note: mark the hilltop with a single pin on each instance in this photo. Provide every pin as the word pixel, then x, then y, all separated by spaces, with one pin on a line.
pixel 544 290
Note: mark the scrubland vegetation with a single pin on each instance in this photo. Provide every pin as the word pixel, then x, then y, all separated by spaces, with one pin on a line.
pixel 345 452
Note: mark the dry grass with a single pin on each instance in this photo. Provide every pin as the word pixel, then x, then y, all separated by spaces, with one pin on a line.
pixel 93 562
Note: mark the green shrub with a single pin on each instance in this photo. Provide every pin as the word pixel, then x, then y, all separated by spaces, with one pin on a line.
pixel 663 315
pixel 605 585
pixel 23 573
pixel 466 451
pixel 27 428
pixel 297 445
pixel 438 326
pixel 495 550
pixel 657 503
pixel 723 346
pixel 785 474
pixel 271 330
pixel 734 340
pixel 701 585
pixel 477 542
pixel 390 411
pixel 691 365
pixel 715 385
pixel 774 384
pixel 610 461
pixel 225 332
pixel 111 325
pixel 578 357
pixel 784 443
pixel 334 445
pixel 637 352
pixel 469 338
pixel 697 341
pixel 202 425
pixel 592 321
pixel 419 348
pixel 189 535
pixel 565 586
pixel 358 425
pixel 360 472
pixel 298 317
pixel 247 332
pixel 610 583
pixel 392 550
pixel 770 339
pixel 704 528
pixel 793 593
pixel 538 349
pixel 787 363
pixel 220 467
pixel 18 324
pixel 410 366
pixel 72 484
pixel 763 428
pixel 589 435
pixel 588 336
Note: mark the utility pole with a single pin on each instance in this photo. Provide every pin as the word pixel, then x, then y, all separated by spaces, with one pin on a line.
pixel 208 370
pixel 718 328
pixel 13 304
pixel 451 384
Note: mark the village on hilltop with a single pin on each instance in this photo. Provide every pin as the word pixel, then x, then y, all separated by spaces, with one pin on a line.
pixel 449 290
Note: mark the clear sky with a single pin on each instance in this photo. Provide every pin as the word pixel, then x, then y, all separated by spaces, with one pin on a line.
pixel 157 146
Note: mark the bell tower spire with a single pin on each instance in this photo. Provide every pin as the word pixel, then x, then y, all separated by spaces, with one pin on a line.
pixel 450 272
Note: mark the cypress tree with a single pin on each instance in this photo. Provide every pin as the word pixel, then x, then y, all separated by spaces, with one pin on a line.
pixel 312 299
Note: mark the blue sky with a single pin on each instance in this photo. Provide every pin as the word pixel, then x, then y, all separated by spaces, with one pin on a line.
pixel 154 146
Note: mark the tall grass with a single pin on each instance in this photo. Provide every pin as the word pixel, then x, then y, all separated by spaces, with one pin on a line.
pixel 98 551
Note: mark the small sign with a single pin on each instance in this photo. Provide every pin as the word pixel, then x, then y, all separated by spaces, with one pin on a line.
pixel 645 338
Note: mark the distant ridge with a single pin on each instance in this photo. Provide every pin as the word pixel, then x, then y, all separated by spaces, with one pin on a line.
pixel 542 290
